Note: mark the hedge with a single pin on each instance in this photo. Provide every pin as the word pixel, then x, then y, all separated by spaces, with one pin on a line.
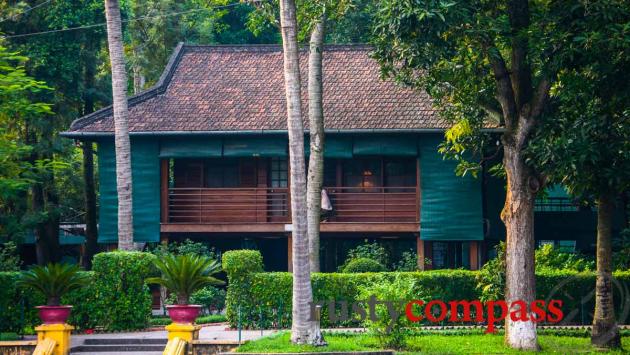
pixel 117 298
pixel 264 298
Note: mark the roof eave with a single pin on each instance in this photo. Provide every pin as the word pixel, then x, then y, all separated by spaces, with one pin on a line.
pixel 87 135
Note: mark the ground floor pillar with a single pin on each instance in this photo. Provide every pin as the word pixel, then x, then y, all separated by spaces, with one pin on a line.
pixel 290 252
pixel 474 255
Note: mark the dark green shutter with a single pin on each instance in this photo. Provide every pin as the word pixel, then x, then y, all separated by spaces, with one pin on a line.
pixel 266 146
pixel 334 147
pixel 385 145
pixel 191 147
pixel 145 166
pixel 451 205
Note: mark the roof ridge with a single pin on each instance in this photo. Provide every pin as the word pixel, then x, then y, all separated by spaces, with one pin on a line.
pixel 271 47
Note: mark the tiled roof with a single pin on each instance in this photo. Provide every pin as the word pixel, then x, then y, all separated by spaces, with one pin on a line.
pixel 236 88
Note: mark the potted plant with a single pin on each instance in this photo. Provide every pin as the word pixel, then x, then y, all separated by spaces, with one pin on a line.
pixel 183 275
pixel 53 281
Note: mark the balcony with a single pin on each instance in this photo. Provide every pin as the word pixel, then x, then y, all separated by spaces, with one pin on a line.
pixel 268 209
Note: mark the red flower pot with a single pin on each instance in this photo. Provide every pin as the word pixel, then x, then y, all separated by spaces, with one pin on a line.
pixel 183 313
pixel 54 314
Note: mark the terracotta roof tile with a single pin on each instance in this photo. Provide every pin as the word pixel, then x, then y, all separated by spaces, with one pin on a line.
pixel 232 88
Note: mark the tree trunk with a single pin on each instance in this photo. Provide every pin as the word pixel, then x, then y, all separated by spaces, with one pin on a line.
pixel 518 216
pixel 316 125
pixel 121 126
pixel 301 326
pixel 605 330
pixel 89 193
pixel 139 79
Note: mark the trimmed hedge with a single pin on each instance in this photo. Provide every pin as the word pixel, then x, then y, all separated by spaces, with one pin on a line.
pixel 239 265
pixel 116 299
pixel 265 298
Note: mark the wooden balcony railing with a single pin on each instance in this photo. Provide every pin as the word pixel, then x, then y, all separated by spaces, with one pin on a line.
pixel 228 205
pixel 374 204
pixel 271 205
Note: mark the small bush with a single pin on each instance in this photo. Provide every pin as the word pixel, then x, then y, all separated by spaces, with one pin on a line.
pixel 363 265
pixel 123 300
pixel 367 250
pixel 407 262
pixel 9 257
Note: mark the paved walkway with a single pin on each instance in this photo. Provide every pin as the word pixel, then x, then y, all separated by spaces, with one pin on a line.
pixel 209 332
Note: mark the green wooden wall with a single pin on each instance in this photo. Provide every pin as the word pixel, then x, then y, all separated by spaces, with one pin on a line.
pixel 146 190
pixel 451 205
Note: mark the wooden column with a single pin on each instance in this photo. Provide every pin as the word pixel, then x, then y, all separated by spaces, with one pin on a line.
pixel 164 173
pixel 290 252
pixel 420 252
pixel 474 255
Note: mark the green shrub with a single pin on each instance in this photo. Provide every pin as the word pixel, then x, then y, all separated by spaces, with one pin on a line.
pixel 391 332
pixel 550 258
pixel 363 265
pixel 408 261
pixel 367 250
pixel 123 300
pixel 9 257
pixel 53 281
pixel 240 266
pixel 17 305
pixel 266 296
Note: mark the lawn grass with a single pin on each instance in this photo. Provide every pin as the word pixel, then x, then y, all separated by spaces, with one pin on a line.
pixel 428 344
pixel 9 336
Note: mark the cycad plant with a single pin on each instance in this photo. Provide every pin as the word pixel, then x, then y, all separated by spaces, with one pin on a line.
pixel 54 280
pixel 185 274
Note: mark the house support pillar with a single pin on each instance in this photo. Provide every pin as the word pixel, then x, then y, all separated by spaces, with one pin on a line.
pixel 423 250
pixel 290 252
pixel 474 255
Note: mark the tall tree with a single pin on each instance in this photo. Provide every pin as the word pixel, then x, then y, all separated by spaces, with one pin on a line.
pixel 586 147
pixel 301 325
pixel 490 64
pixel 121 125
pixel 316 132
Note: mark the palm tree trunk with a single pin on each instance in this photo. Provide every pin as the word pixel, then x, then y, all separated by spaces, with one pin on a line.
pixel 316 125
pixel 301 326
pixel 605 330
pixel 121 125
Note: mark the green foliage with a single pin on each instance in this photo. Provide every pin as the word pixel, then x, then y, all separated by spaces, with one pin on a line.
pixel 429 344
pixel 264 298
pixel 211 298
pixel 373 251
pixel 185 274
pixel 9 257
pixel 122 298
pixel 53 281
pixel 186 247
pixel 491 276
pixel 240 265
pixel 363 265
pixel 408 261
pixel 391 334
pixel 550 258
